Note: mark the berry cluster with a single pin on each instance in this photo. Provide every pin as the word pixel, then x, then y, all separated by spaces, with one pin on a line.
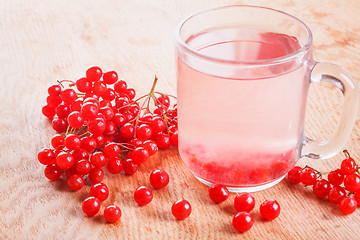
pixel 244 203
pixel 101 124
pixel 342 186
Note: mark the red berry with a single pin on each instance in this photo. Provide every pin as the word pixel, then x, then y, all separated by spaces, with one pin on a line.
pixel 352 182
pixel 181 209
pixel 68 96
pixel 65 160
pixel 294 175
pixel 174 138
pixel 62 111
pixel 88 144
pixel 75 182
pixel 75 119
pixel 72 141
pixel 244 202
pixel 159 179
pixel 100 191
pixel 80 154
pixel 163 100
pixel 127 130
pixel 82 167
pixel 163 140
pixel 357 197
pixel 130 92
pixel 336 194
pixel 150 146
pixel 348 166
pixel 93 74
pixel 107 112
pixel 157 125
pixel 135 142
pixel 98 159
pixel 270 209
pixel 97 126
pixel 118 119
pixel 112 150
pixel 218 193
pixel 52 172
pixel 308 177
pixel 336 177
pixel 48 111
pixel 46 156
pixel 140 155
pixel 110 77
pixel 89 110
pixel 143 195
pixel 91 206
pixel 242 221
pixel 112 213
pixel 54 90
pixel 53 101
pixel 99 88
pixel 348 205
pixel 83 85
pixel 59 124
pixel 144 132
pixel 114 165
pixel 129 166
pixel 96 175
pixel 321 188
pixel 120 86
pixel 57 140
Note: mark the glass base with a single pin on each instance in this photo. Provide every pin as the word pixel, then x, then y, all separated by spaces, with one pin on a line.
pixel 245 189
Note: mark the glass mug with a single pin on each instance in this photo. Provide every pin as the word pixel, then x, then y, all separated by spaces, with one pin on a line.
pixel 243 74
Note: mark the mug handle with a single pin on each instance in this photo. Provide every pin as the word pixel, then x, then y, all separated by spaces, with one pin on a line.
pixel 339 77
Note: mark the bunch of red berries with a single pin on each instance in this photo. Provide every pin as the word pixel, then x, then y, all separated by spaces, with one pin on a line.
pixel 100 123
pixel 342 186
pixel 244 203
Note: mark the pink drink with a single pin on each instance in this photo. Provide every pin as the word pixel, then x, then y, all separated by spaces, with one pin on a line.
pixel 241 128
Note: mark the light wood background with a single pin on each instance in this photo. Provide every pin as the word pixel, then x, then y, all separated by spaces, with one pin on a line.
pixel 42 41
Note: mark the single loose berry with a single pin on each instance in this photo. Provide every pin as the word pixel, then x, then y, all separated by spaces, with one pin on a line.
pixel 181 209
pixel 143 195
pixel 270 209
pixel 91 206
pixel 218 193
pixel 75 182
pixel 242 221
pixel 99 190
pixel 308 177
pixel 348 205
pixel 294 175
pixel 336 194
pixel 321 188
pixel 244 202
pixel 159 179
pixel 336 177
pixel 112 213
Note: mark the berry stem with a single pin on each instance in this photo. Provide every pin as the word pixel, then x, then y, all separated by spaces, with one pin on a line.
pixel 346 153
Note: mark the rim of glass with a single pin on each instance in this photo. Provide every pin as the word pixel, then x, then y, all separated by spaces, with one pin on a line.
pixel 284 58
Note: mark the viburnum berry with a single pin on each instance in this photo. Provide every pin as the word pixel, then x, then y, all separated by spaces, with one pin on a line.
pixel 150 146
pixel 218 193
pixel 98 159
pixel 46 156
pixel 54 90
pixel 68 96
pixel 97 126
pixel 130 92
pixel 99 88
pixel 112 150
pixel 62 111
pixel 72 141
pixel 308 177
pixel 52 172
pixel 159 179
pixel 53 101
pixel 181 209
pixel 112 213
pixel 48 111
pixel 91 206
pixel 83 167
pixel 135 142
pixel 348 165
pixel 336 194
pixel 127 130
pixel 100 191
pixel 129 166
pixel 65 160
pixel 244 202
pixel 157 125
pixel 336 177
pixel 57 140
pixel 270 209
pixel 143 195
pixel 294 175
pixel 242 222
pixel 114 165
pixel 76 106
pixel 94 73
pixel 140 155
pixel 347 205
pixel 107 112
pixel 96 175
pixel 110 77
pixel 163 140
pixel 321 188
pixel 88 143
pixel 352 182
pixel 89 110
pixel 120 86
pixel 75 119
pixel 59 124
pixel 174 138
pixel 118 119
pixel 83 85
pixel 357 197
pixel 80 154
pixel 75 182
pixel 163 100
pixel 144 132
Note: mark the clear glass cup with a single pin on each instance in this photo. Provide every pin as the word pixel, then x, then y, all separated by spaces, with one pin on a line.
pixel 243 74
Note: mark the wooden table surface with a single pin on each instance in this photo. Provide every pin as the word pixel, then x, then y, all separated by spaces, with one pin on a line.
pixel 42 41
